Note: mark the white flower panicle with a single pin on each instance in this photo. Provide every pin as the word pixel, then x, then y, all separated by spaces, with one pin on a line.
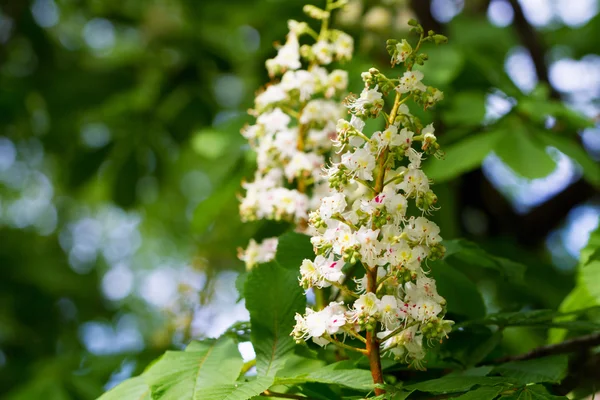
pixel 295 124
pixel 395 302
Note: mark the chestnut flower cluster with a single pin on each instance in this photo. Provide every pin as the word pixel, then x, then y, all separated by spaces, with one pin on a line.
pixel 368 220
pixel 295 122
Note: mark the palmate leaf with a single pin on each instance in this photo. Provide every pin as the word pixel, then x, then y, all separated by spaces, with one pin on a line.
pixel 237 391
pixel 292 249
pixel 132 389
pixel 463 156
pixel 459 291
pixel 523 153
pixel 343 373
pixel 455 384
pixel 547 369
pixel 462 251
pixel 273 297
pixel 535 392
pixel 482 393
pixel 185 375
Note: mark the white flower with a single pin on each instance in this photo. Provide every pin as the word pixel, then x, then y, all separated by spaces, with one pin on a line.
pixel 403 49
pixel 361 163
pixel 369 98
pixel 323 52
pixel 370 247
pixel 257 253
pixel 288 56
pixel 274 121
pixel 272 94
pixel 331 205
pixel 411 81
pixel 415 181
pixel 343 46
pixel 391 312
pixel 364 307
pixel 336 81
pixel 343 238
pixel 428 133
pixel 318 323
pixel 421 229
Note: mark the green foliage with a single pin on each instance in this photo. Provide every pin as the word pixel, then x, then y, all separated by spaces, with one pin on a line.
pixel 273 297
pixel 292 249
pixel 547 369
pixel 134 388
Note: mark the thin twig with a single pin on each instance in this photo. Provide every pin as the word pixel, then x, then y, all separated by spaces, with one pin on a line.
pixel 568 346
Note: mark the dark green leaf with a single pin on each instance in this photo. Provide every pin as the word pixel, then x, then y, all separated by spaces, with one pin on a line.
pixel 547 369
pixel 482 393
pixel 292 249
pixel 453 384
pixel 461 294
pixel 466 252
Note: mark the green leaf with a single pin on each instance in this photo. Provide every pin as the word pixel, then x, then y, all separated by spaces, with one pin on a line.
pixel 535 392
pixel 547 369
pixel 569 146
pixel 482 393
pixel 292 249
pixel 131 389
pixel 240 283
pixel 463 156
pixel 453 384
pixel 343 373
pixel 273 297
pixel 524 154
pixel 465 252
pixel 461 294
pixel 236 391
pixel 466 108
pixel 586 292
pixel 183 375
pixel 209 209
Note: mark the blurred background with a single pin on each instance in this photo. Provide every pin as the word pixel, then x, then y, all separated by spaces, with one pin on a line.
pixel 121 159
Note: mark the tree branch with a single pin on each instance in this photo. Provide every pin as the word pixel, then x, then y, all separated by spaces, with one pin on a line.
pixel 534 45
pixel 568 346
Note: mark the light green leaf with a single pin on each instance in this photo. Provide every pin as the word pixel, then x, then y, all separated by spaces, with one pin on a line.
pixel 569 146
pixel 131 389
pixel 524 153
pixel 463 156
pixel 443 73
pixel 292 249
pixel 342 373
pixel 273 297
pixel 466 108
pixel 482 393
pixel 547 369
pixel 236 391
pixel 587 291
pixel 182 375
